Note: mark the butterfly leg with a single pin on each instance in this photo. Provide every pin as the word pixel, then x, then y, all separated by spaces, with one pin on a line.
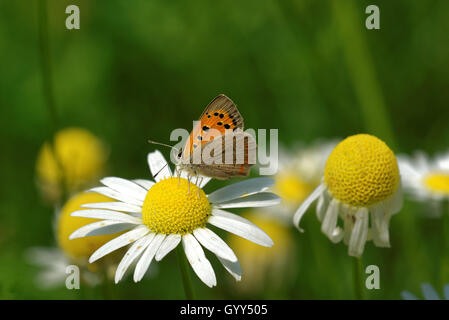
pixel 188 179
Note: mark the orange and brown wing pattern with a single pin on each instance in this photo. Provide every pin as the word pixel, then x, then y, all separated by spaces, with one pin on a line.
pixel 220 115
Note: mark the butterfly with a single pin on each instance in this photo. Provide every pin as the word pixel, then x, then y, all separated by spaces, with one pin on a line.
pixel 218 147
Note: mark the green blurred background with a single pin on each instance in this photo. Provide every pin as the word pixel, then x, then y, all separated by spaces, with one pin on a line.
pixel 138 69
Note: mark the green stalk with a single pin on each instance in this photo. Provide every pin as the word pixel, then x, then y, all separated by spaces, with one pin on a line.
pixel 358 278
pixel 47 85
pixel 444 258
pixel 361 70
pixel 187 282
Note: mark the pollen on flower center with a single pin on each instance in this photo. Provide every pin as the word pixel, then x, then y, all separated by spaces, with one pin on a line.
pixel 437 182
pixel 361 171
pixel 170 207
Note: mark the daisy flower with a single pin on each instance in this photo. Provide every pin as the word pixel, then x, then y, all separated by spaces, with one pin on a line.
pixel 361 176
pixel 268 267
pixel 54 261
pixel 429 293
pixel 426 179
pixel 162 214
pixel 82 157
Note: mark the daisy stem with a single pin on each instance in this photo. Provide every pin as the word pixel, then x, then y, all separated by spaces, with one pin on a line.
pixel 357 277
pixel 47 83
pixel 362 70
pixel 187 282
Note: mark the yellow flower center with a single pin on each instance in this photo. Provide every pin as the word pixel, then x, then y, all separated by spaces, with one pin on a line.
pixel 80 248
pixel 81 156
pixel 291 188
pixel 437 182
pixel 170 207
pixel 361 171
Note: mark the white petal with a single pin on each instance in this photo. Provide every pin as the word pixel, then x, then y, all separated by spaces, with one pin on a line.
pixel 241 227
pixel 394 204
pixel 119 242
pixel 147 257
pixel 232 267
pixel 306 204
pixel 214 243
pixel 337 235
pixel 132 254
pixel 380 221
pixel 158 166
pixel 147 184
pixel 198 261
pixel 169 243
pixel 106 215
pixel 330 219
pixel 108 192
pixel 100 228
pixel 359 233
pixel 124 186
pixel 114 205
pixel 263 199
pixel 240 189
pixel 408 296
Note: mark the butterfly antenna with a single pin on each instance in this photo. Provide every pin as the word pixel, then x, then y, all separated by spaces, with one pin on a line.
pixel 163 144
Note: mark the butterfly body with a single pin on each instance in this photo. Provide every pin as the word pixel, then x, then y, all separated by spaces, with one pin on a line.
pixel 217 146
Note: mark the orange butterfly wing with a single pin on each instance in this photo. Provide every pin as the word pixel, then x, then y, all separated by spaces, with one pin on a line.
pixel 220 115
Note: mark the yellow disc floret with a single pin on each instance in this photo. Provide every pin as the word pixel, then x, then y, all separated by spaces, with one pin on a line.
pixel 170 207
pixel 80 248
pixel 437 182
pixel 361 171
pixel 291 188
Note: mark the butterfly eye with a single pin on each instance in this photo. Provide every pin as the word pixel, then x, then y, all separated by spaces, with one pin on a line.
pixel 180 153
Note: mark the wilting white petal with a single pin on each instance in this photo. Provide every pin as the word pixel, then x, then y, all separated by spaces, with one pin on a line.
pixel 147 184
pixel 132 254
pixel 113 205
pixel 394 204
pixel 446 291
pixel 198 261
pixel 262 199
pixel 226 214
pixel 158 166
pixel 241 227
pixel 240 189
pixel 147 257
pixel 108 192
pixel 214 243
pixel 359 233
pixel 232 267
pixel 106 215
pixel 126 187
pixel 330 219
pixel 380 221
pixel 169 243
pixel 119 242
pixel 306 204
pixel 100 228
